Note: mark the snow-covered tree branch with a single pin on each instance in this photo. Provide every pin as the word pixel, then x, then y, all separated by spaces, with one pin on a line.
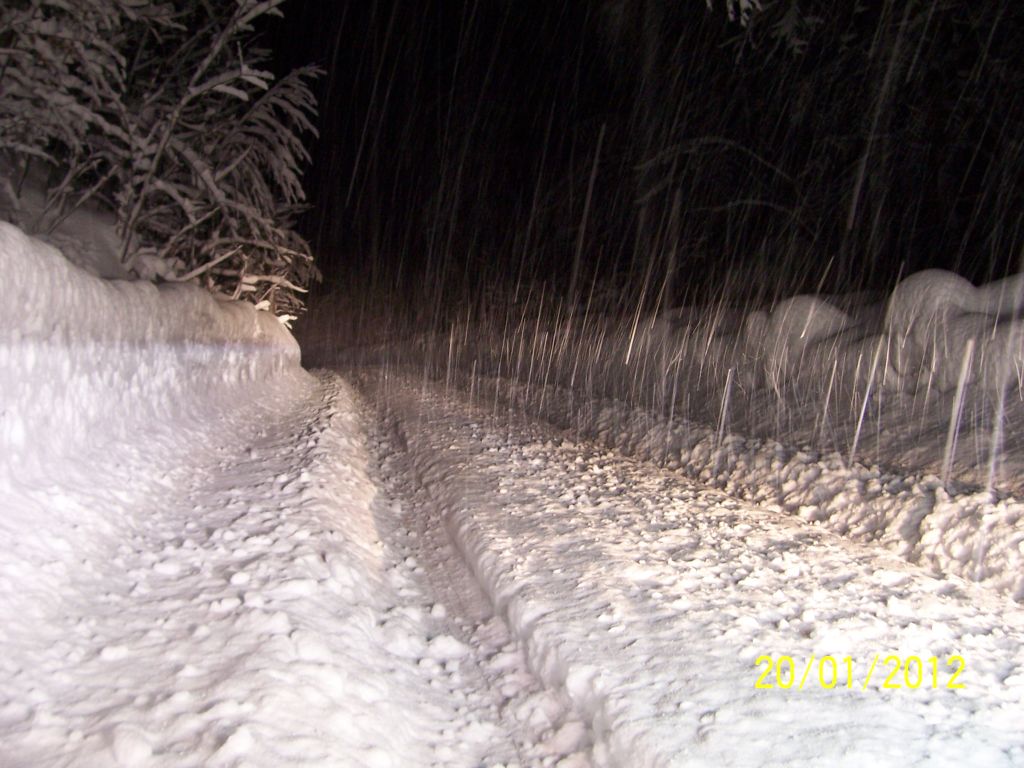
pixel 166 114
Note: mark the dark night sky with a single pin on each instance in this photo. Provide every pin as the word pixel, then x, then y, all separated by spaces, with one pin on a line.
pixel 458 140
pixel 426 101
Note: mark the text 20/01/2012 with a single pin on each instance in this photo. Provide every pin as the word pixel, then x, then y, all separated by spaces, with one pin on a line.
pixel 893 672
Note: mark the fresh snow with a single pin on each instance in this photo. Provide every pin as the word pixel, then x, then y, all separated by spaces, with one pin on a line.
pixel 969 533
pixel 648 598
pixel 209 556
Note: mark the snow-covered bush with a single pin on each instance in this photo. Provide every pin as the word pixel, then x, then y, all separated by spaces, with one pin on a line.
pixel 166 114
pixel 739 9
pixel 945 332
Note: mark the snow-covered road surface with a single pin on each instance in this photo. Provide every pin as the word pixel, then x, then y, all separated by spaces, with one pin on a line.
pixel 226 599
pixel 399 578
pixel 648 599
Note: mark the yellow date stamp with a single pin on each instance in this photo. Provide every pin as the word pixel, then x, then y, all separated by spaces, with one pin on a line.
pixel 890 672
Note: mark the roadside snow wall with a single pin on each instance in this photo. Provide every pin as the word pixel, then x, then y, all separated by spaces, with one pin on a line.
pixel 86 361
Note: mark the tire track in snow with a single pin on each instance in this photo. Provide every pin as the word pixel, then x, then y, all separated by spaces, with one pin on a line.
pixel 537 724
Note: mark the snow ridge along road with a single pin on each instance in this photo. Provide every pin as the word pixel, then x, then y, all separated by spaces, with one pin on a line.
pixel 648 599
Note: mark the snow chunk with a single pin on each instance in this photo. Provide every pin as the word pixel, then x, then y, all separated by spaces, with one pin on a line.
pixel 446 648
pixel 130 746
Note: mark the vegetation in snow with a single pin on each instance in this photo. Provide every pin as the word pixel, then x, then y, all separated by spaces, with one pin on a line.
pixel 165 114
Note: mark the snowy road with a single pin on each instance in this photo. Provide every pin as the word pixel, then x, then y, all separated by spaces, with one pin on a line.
pixel 400 578
pixel 648 599
pixel 232 595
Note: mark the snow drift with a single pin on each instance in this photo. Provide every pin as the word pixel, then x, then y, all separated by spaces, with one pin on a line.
pixel 78 352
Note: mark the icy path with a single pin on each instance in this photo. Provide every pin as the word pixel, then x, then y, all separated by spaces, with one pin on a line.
pixel 647 600
pixel 220 595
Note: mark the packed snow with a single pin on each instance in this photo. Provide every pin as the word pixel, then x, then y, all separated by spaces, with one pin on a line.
pixel 209 556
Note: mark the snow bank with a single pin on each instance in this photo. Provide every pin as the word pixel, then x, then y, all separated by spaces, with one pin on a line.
pixel 971 534
pixel 933 370
pixel 779 342
pixel 895 420
pixel 942 329
pixel 84 361
pixel 898 422
pixel 939 333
